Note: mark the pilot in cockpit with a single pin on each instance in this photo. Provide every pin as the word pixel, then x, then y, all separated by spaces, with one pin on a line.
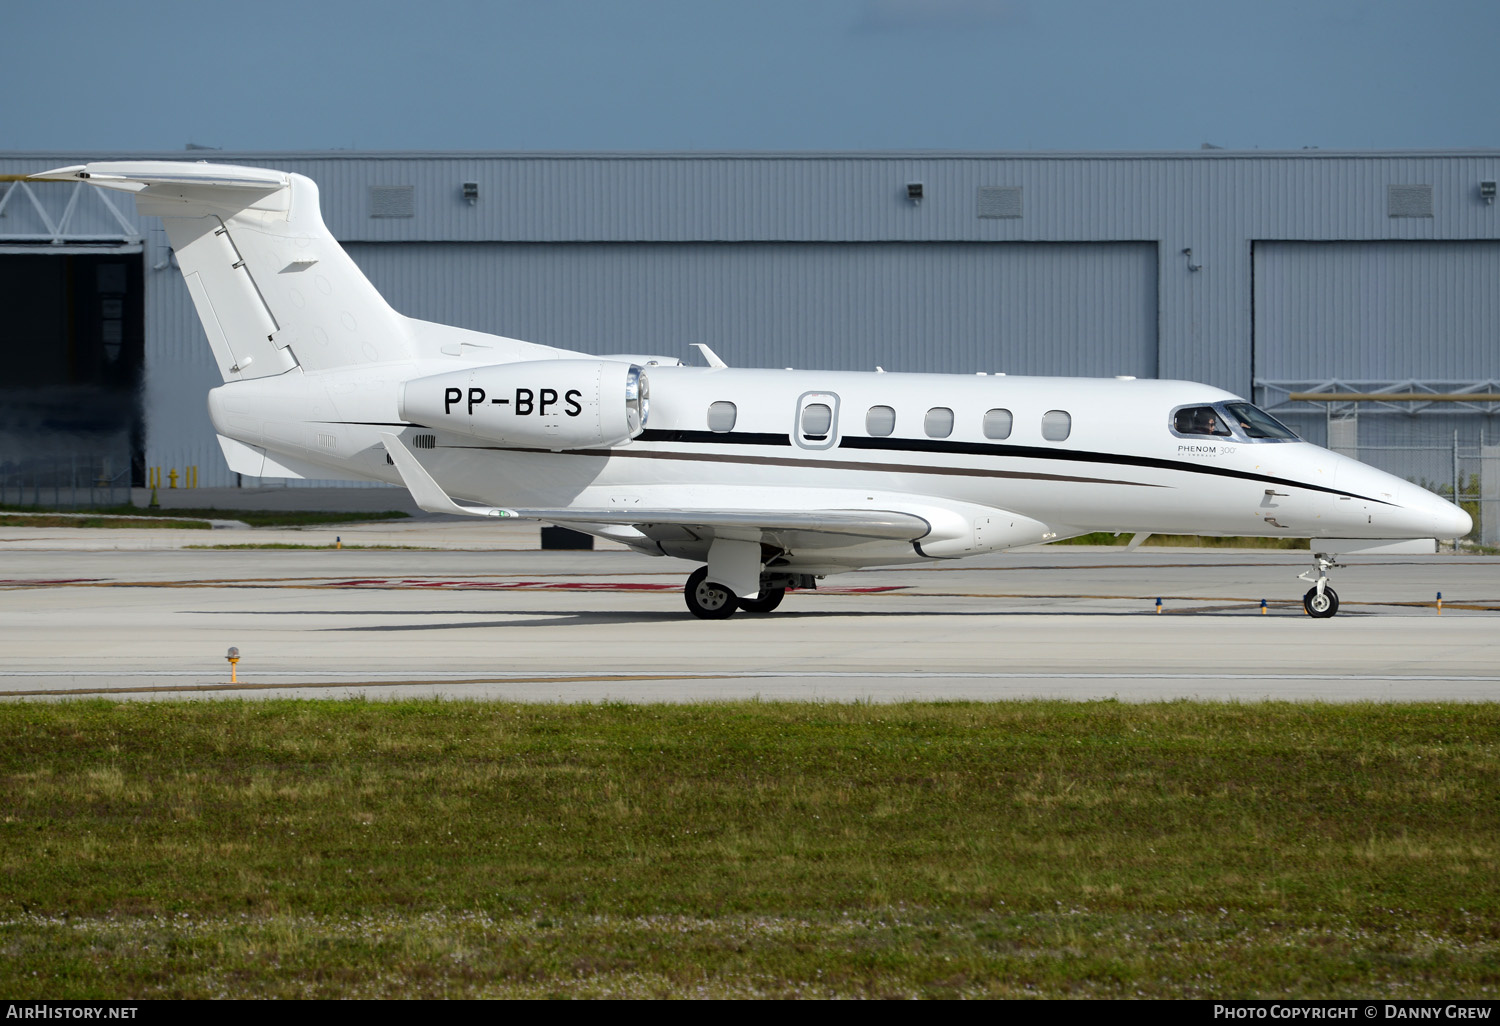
pixel 1200 420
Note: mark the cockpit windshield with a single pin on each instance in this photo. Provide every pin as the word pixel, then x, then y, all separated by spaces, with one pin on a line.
pixel 1231 420
pixel 1200 420
pixel 1257 423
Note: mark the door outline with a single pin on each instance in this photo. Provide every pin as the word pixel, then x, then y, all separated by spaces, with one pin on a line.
pixel 806 399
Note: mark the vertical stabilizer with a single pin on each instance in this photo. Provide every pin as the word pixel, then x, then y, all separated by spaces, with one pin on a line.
pixel 273 288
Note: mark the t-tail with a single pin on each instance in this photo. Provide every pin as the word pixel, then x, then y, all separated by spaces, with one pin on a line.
pixel 273 288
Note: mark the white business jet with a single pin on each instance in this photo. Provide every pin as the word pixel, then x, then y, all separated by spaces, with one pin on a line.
pixel 771 478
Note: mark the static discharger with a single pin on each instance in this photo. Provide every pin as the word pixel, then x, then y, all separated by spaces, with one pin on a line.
pixel 234 663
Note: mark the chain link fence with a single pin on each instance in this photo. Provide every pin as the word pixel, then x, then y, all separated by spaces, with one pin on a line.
pixel 74 481
pixel 1472 473
pixel 1453 455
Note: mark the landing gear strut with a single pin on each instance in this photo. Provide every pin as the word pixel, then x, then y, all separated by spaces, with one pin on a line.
pixel 1321 601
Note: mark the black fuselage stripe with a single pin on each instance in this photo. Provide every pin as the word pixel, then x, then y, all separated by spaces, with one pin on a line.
pixel 1031 452
pixel 715 437
pixel 783 461
pixel 931 445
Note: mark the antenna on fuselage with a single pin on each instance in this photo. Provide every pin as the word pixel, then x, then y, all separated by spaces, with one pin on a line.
pixel 709 355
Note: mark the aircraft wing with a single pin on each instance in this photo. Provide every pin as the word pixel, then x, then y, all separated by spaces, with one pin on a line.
pixel 875 524
pixel 884 524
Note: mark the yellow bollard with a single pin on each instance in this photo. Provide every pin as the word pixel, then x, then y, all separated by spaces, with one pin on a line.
pixel 1158 606
pixel 1440 604
pixel 338 542
pixel 234 663
pixel 1262 607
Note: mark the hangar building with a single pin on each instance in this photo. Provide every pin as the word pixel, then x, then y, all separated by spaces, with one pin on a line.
pixel 1266 273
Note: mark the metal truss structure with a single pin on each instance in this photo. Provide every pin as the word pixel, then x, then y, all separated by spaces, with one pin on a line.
pixel 56 216
pixel 1343 396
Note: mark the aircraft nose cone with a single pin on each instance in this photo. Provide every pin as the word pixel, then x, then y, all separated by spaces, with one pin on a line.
pixel 1455 523
pixel 1441 518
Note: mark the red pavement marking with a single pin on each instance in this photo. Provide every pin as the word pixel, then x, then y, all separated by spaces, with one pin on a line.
pixel 417 582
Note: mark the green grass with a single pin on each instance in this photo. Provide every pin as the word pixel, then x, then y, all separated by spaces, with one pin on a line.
pixel 1196 541
pixel 164 517
pixel 326 848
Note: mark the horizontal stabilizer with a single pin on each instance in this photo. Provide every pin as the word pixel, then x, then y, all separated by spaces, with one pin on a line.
pixel 135 175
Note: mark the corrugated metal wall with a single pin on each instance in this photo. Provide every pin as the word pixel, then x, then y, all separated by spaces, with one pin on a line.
pixel 1023 308
pixel 841 269
pixel 1390 310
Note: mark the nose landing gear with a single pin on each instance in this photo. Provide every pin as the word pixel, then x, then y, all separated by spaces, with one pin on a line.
pixel 1321 601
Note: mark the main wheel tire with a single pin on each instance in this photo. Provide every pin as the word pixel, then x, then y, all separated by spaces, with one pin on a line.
pixel 767 600
pixel 708 600
pixel 1321 606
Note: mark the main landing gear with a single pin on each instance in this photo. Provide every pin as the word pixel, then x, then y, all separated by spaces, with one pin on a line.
pixel 706 599
pixel 710 600
pixel 1321 601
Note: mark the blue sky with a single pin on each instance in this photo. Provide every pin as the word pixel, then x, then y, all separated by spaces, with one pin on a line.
pixel 769 75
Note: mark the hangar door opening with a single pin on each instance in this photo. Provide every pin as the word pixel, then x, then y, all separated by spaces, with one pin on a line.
pixel 1020 308
pixel 1382 316
pixel 71 343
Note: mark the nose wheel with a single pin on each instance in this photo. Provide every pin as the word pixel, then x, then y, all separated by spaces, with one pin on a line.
pixel 1321 604
pixel 1321 601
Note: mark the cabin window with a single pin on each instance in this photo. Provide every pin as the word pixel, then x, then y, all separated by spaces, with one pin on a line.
pixel 1057 425
pixel 997 423
pixel 1257 423
pixel 939 422
pixel 721 416
pixel 1200 420
pixel 880 421
pixel 817 421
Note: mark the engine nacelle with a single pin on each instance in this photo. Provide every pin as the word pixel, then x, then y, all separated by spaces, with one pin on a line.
pixel 545 404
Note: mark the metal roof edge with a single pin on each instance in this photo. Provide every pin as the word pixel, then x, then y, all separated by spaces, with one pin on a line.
pixel 217 156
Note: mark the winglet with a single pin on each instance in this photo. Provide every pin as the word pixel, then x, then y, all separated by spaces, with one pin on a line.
pixel 709 355
pixel 428 494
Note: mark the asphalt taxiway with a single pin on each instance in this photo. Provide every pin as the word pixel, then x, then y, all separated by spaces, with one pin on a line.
pixel 483 614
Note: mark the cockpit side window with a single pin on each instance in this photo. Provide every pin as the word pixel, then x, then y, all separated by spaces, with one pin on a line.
pixel 1257 423
pixel 1200 420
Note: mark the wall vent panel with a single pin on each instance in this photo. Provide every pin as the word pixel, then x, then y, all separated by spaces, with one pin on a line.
pixel 1408 200
pixel 999 201
pixel 392 201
